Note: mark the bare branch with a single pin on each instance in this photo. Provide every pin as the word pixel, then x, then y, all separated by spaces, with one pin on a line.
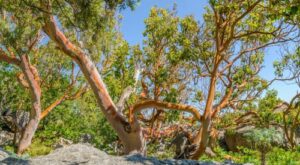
pixel 128 90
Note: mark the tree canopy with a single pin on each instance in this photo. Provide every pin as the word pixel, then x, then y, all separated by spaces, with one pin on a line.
pixel 67 65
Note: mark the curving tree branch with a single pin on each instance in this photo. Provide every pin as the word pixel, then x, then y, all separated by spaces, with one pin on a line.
pixel 162 105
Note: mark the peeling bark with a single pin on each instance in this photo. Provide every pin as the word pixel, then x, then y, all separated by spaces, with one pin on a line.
pixel 31 76
pixel 202 136
pixel 163 105
pixel 35 112
pixel 130 134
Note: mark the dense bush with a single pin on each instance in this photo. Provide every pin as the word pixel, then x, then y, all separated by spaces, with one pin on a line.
pixel 72 121
pixel 277 156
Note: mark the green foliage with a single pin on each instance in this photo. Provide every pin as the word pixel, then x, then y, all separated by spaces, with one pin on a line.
pixel 119 73
pixel 264 138
pixel 74 119
pixel 276 156
pixel 279 156
pixel 37 148
pixel 168 45
pixel 156 149
pixel 266 106
pixel 176 52
pixel 9 148
pixel 244 156
pixel 12 94
pixel 285 9
pixel 18 28
pixel 288 65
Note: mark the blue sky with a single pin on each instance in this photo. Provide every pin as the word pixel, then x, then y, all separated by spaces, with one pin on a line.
pixel 133 26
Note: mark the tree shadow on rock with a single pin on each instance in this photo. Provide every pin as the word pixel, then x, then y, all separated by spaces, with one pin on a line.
pixel 137 158
pixel 14 161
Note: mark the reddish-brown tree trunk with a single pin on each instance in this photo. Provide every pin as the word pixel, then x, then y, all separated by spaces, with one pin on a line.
pixel 202 137
pixel 130 134
pixel 35 112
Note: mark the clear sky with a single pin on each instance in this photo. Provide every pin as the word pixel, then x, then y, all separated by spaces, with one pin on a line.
pixel 133 26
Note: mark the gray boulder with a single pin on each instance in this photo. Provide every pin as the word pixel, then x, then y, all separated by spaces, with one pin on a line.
pixel 3 155
pixel 297 135
pixel 15 120
pixel 62 142
pixel 6 137
pixel 86 138
pixel 236 137
pixel 83 154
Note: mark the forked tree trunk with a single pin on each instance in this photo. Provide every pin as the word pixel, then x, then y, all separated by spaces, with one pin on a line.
pixel 130 134
pixel 35 112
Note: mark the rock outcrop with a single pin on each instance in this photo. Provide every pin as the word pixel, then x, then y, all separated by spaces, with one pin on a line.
pixel 82 154
pixel 235 138
pixel 15 120
pixel 3 155
pixel 62 142
pixel 11 125
pixel 6 137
